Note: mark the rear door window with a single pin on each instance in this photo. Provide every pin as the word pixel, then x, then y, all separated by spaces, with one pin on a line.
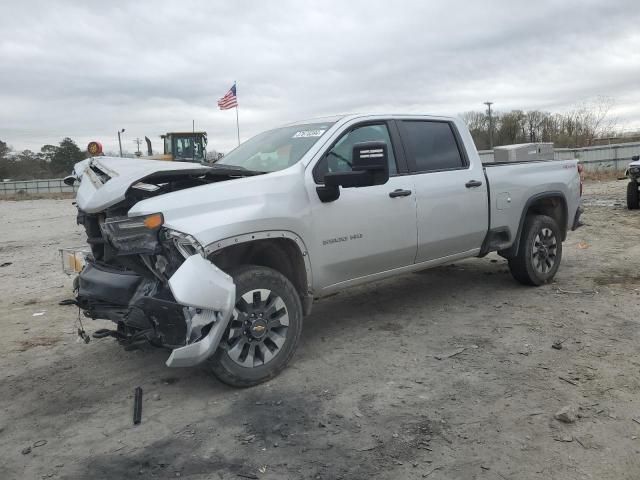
pixel 431 146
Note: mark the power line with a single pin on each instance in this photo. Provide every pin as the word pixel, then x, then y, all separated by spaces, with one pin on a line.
pixel 137 141
pixel 488 104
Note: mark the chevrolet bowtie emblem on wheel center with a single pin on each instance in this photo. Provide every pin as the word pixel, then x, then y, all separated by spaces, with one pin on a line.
pixel 258 329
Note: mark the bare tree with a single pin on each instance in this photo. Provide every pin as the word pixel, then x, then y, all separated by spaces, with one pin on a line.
pixel 578 127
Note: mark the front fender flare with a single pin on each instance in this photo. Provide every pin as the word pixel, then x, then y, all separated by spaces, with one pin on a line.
pixel 263 235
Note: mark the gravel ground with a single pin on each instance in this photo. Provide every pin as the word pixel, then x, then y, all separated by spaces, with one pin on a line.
pixel 444 374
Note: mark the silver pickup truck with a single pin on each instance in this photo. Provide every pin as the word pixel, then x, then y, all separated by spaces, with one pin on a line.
pixel 221 263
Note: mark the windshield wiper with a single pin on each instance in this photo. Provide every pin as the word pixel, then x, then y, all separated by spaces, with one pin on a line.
pixel 237 169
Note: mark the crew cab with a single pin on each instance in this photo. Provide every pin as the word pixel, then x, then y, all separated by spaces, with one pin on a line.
pixel 221 263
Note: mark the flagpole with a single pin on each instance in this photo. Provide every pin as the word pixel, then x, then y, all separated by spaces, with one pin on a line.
pixel 238 124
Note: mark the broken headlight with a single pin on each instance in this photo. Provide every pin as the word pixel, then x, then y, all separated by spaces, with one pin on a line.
pixel 185 244
pixel 133 235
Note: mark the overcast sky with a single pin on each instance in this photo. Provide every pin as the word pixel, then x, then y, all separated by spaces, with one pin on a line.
pixel 85 69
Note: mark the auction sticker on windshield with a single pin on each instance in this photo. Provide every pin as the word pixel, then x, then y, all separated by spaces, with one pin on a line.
pixel 308 133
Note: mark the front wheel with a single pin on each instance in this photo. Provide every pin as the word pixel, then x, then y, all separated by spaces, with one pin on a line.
pixel 264 329
pixel 633 202
pixel 539 252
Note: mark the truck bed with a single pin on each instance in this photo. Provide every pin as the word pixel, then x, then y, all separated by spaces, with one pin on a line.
pixel 513 184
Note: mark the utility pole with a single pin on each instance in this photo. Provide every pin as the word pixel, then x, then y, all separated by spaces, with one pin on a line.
pixel 488 104
pixel 120 140
pixel 137 141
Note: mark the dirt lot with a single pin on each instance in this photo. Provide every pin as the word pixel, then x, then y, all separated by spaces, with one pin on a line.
pixel 444 374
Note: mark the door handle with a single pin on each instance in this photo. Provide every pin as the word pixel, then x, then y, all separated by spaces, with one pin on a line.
pixel 400 193
pixel 473 184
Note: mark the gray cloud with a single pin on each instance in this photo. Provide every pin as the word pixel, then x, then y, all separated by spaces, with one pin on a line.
pixel 85 69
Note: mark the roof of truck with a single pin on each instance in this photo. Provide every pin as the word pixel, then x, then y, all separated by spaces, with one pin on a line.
pixel 335 118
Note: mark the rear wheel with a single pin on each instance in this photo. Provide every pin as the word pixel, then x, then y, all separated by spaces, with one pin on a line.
pixel 633 202
pixel 264 329
pixel 539 252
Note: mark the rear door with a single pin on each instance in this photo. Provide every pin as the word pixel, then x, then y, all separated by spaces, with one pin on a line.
pixel 451 192
pixel 367 230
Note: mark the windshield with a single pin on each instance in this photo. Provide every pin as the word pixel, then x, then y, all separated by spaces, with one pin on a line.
pixel 275 149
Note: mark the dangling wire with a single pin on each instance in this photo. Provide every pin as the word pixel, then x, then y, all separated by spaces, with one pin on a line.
pixel 81 333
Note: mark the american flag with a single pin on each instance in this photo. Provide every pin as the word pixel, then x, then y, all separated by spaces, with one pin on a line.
pixel 230 100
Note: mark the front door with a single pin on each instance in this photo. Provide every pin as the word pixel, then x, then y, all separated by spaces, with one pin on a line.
pixel 367 230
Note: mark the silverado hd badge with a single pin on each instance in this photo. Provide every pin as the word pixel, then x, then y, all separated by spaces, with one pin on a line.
pixel 346 238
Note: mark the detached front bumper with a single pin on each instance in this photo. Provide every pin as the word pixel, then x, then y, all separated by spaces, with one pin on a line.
pixel 190 316
pixel 199 283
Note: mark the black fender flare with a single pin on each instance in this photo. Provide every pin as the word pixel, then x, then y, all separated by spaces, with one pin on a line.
pixel 512 251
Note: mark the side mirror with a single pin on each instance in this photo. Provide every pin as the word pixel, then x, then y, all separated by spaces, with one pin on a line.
pixel 69 180
pixel 635 158
pixel 369 166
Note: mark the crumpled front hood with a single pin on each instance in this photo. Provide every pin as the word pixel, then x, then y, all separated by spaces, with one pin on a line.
pixel 104 181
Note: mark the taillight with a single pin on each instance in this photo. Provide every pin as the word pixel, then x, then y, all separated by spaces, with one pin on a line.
pixel 581 175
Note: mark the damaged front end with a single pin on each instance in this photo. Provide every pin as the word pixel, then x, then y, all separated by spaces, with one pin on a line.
pixel 155 284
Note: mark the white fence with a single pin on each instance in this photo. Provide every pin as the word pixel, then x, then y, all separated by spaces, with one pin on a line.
pixel 614 157
pixel 51 185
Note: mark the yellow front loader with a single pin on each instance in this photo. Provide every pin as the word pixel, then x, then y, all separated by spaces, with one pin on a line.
pixel 180 147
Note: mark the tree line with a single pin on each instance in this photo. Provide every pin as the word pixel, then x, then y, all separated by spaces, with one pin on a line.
pixel 580 127
pixel 52 161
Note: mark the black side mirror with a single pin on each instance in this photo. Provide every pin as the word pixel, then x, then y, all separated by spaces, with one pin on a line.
pixel 635 158
pixel 369 166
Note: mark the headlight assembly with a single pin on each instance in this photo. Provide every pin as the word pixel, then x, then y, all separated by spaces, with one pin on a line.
pixel 133 235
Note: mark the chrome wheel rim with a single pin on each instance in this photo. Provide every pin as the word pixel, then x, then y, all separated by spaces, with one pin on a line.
pixel 258 328
pixel 544 251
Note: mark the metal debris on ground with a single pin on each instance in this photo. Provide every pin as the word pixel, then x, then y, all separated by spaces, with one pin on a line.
pixel 137 406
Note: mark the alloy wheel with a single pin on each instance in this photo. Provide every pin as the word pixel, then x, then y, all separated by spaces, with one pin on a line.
pixel 544 250
pixel 258 328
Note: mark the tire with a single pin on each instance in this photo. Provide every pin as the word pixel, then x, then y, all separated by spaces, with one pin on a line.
pixel 264 329
pixel 633 202
pixel 539 252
